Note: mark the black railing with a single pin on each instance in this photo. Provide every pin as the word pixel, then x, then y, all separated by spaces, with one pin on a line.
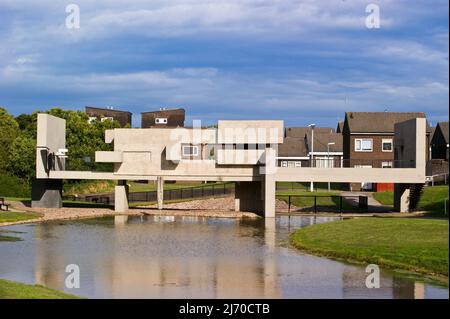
pixel 338 163
pixel 326 203
pixel 206 190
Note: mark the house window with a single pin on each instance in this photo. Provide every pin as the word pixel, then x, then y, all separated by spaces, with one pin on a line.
pixel 190 150
pixel 387 164
pixel 107 118
pixel 298 164
pixel 387 145
pixel 284 164
pixel 363 145
pixel 92 119
pixel 161 120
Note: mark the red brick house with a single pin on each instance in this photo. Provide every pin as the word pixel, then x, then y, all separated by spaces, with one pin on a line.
pixel 368 139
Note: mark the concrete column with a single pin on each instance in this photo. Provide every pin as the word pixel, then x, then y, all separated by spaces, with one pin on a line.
pixel 46 193
pixel 401 198
pixel 269 196
pixel 160 192
pixel 248 197
pixel 121 197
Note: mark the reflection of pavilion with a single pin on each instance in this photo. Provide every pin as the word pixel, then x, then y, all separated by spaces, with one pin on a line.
pixel 171 276
pixel 354 286
pixel 170 267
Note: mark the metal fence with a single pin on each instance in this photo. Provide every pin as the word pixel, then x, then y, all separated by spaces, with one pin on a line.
pixel 206 190
pixel 326 203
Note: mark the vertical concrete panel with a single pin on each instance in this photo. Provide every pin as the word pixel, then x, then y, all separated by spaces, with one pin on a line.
pixel 121 197
pixel 46 193
pixel 401 198
pixel 269 196
pixel 160 192
pixel 248 197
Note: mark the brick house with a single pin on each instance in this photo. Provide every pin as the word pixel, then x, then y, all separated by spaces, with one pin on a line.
pixel 368 139
pixel 102 114
pixel 163 118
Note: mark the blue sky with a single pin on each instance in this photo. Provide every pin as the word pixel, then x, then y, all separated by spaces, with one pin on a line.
pixel 299 61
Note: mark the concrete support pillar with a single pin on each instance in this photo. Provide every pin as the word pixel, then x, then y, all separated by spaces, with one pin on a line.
pixel 401 198
pixel 160 192
pixel 248 197
pixel 269 196
pixel 46 193
pixel 121 197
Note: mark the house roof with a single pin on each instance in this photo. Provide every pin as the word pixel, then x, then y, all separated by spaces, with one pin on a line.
pixel 293 147
pixel 92 108
pixel 378 122
pixel 443 126
pixel 300 132
pixel 166 111
pixel 321 141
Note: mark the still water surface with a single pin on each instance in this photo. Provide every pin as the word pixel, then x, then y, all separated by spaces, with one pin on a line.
pixel 190 257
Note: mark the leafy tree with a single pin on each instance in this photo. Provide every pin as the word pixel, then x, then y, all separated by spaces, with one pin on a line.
pixel 22 158
pixel 8 132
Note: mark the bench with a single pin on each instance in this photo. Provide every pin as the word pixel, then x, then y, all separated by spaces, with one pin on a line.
pixel 4 206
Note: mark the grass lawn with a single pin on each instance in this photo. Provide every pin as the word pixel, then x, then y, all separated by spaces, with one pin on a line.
pixel 15 290
pixel 432 199
pixel 308 200
pixel 15 217
pixel 419 245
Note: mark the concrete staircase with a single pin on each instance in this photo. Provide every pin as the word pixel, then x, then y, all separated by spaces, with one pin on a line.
pixel 415 192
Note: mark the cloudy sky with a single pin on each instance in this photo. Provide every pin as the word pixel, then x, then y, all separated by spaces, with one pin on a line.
pixel 300 61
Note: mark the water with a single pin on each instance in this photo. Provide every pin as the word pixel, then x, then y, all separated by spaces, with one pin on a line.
pixel 190 257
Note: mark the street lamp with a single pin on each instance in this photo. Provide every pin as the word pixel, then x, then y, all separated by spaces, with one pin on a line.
pixel 312 126
pixel 328 159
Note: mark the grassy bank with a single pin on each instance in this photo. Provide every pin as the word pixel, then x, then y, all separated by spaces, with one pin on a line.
pixel 419 245
pixel 431 201
pixel 15 217
pixel 15 290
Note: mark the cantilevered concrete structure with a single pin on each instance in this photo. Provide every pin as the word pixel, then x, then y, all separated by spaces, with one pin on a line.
pixel 244 152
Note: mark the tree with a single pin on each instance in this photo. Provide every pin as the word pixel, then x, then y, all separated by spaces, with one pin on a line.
pixel 22 157
pixel 8 132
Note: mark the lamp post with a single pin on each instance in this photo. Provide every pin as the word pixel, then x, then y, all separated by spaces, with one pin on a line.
pixel 328 160
pixel 312 126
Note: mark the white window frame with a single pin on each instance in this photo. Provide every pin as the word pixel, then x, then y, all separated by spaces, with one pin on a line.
pixel 284 164
pixel 194 152
pixel 387 140
pixel 161 120
pixel 106 118
pixel 361 143
pixel 386 164
pixel 298 164
pixel 92 119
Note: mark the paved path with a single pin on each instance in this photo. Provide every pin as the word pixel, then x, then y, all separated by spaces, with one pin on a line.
pixel 373 204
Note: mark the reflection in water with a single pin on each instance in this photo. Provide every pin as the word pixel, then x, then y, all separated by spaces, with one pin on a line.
pixel 190 257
